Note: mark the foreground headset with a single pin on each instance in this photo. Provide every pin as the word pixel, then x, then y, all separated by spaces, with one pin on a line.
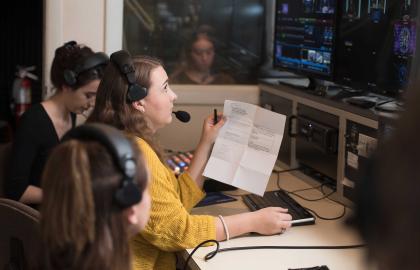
pixel 94 60
pixel 119 147
pixel 122 60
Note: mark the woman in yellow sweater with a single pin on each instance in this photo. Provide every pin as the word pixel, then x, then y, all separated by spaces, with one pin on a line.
pixel 135 96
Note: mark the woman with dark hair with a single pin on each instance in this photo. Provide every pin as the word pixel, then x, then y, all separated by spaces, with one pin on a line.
pixel 86 227
pixel 75 73
pixel 134 96
pixel 198 65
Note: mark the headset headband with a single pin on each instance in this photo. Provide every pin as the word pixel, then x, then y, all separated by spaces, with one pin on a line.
pixel 91 62
pixel 120 148
pixel 94 60
pixel 122 60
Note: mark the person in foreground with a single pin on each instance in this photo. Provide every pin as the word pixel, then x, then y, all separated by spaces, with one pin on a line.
pixel 75 73
pixel 387 203
pixel 96 197
pixel 392 185
pixel 134 96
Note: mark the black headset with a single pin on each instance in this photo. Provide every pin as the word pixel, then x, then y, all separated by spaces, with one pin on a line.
pixel 122 60
pixel 120 148
pixel 94 60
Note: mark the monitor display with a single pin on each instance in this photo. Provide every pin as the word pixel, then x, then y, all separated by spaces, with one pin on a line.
pixel 404 38
pixel 376 42
pixel 304 37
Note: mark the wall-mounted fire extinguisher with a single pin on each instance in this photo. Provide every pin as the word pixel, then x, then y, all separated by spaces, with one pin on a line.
pixel 22 93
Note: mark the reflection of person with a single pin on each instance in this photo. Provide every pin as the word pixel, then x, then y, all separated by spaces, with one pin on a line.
pixel 83 224
pixel 199 63
pixel 171 227
pixel 75 73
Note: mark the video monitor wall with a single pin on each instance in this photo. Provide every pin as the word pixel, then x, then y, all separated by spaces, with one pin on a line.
pixel 364 44
pixel 376 42
pixel 305 36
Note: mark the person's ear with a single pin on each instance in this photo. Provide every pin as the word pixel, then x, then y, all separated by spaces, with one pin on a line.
pixel 66 89
pixel 138 105
pixel 131 216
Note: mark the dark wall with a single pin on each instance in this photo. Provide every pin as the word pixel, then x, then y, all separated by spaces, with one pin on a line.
pixel 21 30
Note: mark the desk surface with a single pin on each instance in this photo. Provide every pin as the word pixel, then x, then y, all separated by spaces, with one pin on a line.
pixel 328 233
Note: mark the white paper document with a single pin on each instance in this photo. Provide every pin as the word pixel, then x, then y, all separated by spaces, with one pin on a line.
pixel 247 146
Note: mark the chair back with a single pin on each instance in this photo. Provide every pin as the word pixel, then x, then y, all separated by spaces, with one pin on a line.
pixel 5 155
pixel 20 240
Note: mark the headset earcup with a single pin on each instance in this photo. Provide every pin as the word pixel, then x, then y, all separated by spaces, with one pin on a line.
pixel 128 195
pixel 69 77
pixel 136 92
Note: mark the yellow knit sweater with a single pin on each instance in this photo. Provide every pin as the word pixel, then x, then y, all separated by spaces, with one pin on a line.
pixel 171 227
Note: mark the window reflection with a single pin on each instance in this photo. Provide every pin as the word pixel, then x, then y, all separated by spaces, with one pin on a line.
pixel 200 41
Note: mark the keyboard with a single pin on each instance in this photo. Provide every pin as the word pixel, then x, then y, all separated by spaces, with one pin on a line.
pixel 279 198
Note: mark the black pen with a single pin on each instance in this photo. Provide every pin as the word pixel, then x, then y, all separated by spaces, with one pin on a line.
pixel 215 117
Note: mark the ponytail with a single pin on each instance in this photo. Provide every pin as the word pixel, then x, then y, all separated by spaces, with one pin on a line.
pixel 67 179
pixel 80 224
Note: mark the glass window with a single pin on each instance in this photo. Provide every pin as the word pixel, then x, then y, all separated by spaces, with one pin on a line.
pixel 200 41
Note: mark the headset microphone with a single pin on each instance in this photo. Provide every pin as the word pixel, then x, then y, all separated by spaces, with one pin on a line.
pixel 182 116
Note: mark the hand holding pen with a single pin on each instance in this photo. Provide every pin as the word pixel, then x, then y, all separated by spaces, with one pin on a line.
pixel 215 120
pixel 211 127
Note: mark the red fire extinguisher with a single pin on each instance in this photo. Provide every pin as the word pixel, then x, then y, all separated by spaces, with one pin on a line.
pixel 22 96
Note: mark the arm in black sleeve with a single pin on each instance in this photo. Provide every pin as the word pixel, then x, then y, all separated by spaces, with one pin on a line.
pixel 25 147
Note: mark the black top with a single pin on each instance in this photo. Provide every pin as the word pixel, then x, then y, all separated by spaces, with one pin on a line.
pixel 34 139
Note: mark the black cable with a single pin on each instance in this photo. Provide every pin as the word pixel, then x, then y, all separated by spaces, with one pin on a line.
pixel 294 192
pixel 321 187
pixel 327 218
pixel 325 196
pixel 283 171
pixel 323 192
pixel 312 200
pixel 287 170
pixel 207 257
pixel 211 254
pixel 303 189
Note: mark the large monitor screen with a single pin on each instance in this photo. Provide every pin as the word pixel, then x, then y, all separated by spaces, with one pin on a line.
pixel 304 37
pixel 376 41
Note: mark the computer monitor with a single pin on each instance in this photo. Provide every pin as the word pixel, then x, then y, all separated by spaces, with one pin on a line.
pixel 304 37
pixel 376 42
